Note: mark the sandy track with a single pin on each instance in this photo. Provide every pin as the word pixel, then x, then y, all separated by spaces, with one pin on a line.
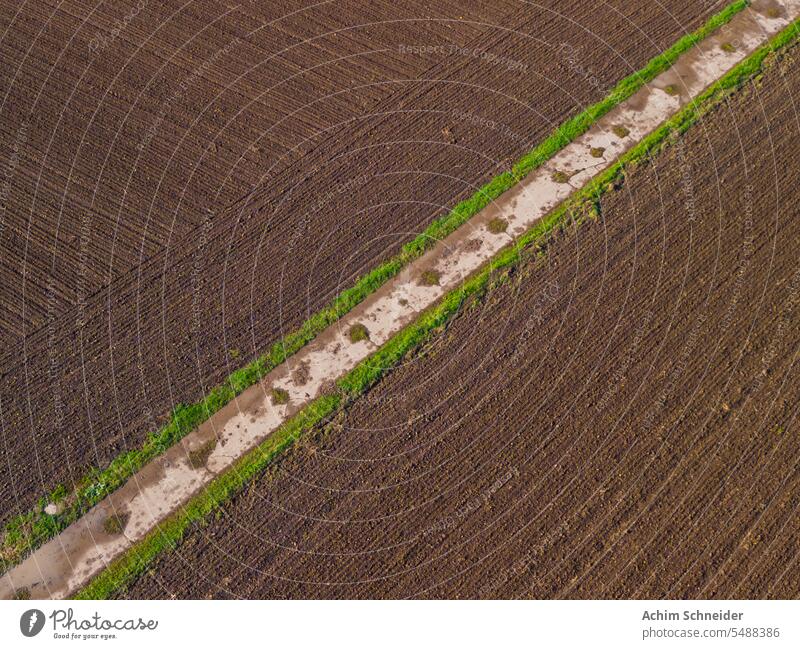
pixel 257 269
pixel 620 420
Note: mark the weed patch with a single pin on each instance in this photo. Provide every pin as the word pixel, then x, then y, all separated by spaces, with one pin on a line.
pixel 430 278
pixel 620 131
pixel 497 225
pixel 115 524
pixel 357 333
pixel 560 177
pixel 199 456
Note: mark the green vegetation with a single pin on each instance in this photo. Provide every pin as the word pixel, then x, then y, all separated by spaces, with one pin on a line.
pixel 581 205
pixel 357 333
pixel 199 456
pixel 22 593
pixel 620 131
pixel 280 397
pixel 430 278
pixel 27 531
pixel 115 524
pixel 597 151
pixel 672 90
pixel 728 47
pixel 560 177
pixel 497 225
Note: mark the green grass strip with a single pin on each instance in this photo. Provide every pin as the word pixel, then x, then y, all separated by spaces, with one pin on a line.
pixel 29 530
pixel 169 534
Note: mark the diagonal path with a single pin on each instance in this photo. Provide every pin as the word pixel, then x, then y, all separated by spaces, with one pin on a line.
pixel 81 551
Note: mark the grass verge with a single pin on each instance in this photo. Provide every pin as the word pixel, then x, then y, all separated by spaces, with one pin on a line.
pixel 29 530
pixel 578 207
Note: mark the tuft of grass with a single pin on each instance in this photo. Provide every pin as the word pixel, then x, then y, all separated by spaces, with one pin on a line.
pixel 672 90
pixel 560 177
pixel 430 278
pixel 22 593
pixel 582 204
pixel 497 225
pixel 280 397
pixel 773 12
pixel 30 529
pixel 115 524
pixel 620 131
pixel 728 47
pixel 357 333
pixel 199 456
pixel 597 151
pixel 234 353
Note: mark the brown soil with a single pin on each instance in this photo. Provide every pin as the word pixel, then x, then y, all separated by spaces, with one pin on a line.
pixel 228 252
pixel 617 420
pixel 213 96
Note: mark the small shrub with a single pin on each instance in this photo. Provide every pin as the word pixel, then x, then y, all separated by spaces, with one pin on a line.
pixel 22 593
pixel 773 12
pixel 597 151
pixel 728 47
pixel 234 353
pixel 620 131
pixel 560 177
pixel 497 225
pixel 279 397
pixel 199 456
pixel 114 524
pixel 672 90
pixel 430 277
pixel 357 333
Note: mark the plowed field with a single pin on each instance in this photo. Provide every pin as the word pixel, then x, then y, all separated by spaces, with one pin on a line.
pixel 141 116
pixel 617 420
pixel 190 264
